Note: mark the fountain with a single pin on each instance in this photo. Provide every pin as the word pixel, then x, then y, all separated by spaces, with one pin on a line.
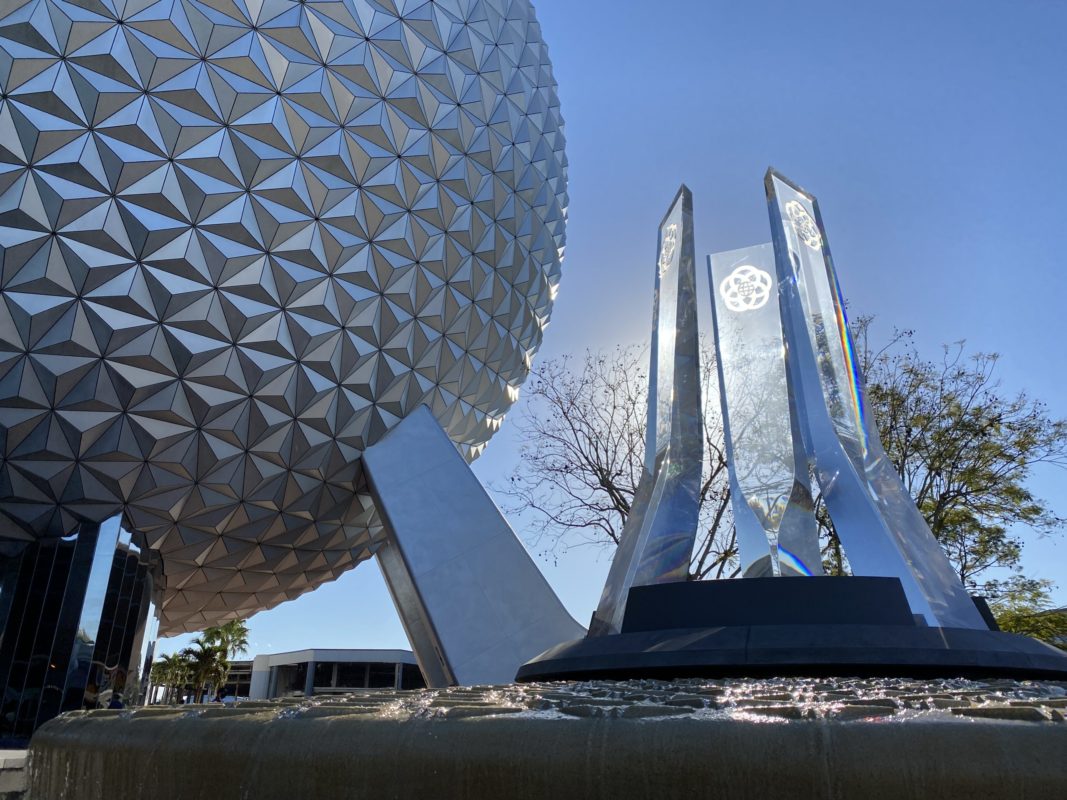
pixel 785 683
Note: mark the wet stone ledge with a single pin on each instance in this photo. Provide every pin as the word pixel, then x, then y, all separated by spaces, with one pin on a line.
pixel 789 698
pixel 789 737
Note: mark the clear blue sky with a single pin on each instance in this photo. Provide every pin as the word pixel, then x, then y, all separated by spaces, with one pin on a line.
pixel 933 134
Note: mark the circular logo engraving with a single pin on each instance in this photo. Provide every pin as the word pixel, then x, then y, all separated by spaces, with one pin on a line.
pixel 746 288
pixel 667 247
pixel 804 224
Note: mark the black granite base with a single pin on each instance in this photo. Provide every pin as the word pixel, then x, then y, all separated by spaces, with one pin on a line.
pixel 823 600
pixel 825 626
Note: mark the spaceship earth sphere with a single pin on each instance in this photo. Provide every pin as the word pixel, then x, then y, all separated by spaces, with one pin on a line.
pixel 240 240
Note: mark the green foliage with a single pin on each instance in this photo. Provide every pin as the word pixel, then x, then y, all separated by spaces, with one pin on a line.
pixel 172 672
pixel 205 663
pixel 964 448
pixel 231 636
pixel 208 665
pixel 1024 606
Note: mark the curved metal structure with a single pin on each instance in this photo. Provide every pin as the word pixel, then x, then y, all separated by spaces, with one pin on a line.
pixel 239 242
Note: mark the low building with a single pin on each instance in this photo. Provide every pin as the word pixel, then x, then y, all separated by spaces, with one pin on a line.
pixel 303 673
pixel 239 679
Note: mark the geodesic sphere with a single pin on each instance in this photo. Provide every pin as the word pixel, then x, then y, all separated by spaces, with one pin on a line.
pixel 241 239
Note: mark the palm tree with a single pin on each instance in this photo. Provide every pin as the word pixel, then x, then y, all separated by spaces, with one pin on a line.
pixel 172 672
pixel 232 638
pixel 208 665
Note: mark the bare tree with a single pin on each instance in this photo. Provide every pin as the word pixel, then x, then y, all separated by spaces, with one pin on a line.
pixel 963 448
pixel 583 431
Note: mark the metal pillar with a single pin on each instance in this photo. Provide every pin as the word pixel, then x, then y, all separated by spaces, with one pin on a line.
pixel 473 603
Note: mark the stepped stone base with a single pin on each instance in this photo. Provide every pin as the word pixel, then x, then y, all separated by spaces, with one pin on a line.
pixel 12 774
pixel 783 738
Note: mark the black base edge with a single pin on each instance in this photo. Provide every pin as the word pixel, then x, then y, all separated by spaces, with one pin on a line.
pixel 800 650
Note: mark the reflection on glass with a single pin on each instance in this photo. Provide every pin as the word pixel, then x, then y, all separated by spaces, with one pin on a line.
pixel 881 529
pixel 770 494
pixel 291 679
pixel 657 540
pixel 82 683
pixel 115 668
pixel 74 624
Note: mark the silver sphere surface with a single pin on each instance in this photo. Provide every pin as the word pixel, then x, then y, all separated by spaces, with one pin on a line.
pixel 240 240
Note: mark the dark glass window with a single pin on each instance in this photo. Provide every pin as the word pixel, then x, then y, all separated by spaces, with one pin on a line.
pixel 54 621
pixel 411 677
pixel 382 676
pixel 324 673
pixel 352 675
pixel 291 679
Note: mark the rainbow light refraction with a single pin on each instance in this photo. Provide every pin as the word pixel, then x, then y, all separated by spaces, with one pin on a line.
pixel 785 557
pixel 848 349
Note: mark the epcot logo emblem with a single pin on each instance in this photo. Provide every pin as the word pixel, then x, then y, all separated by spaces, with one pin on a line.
pixel 666 252
pixel 804 224
pixel 747 288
